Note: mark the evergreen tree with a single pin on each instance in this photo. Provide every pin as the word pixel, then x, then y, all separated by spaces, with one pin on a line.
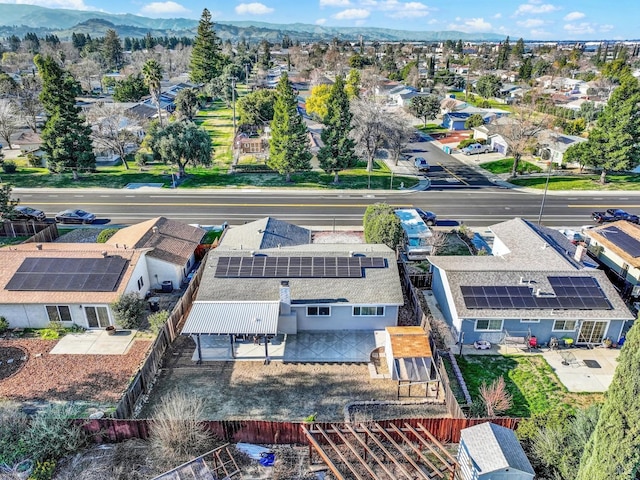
pixel 66 137
pixel 206 59
pixel 289 145
pixel 131 89
pixel 459 46
pixel 112 50
pixel 613 451
pixel 597 59
pixel 525 70
pixel 518 49
pixel 338 152
pixel 152 73
pixel 181 143
pixel 265 57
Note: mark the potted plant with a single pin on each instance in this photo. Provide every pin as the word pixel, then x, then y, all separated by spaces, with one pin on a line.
pixel 111 330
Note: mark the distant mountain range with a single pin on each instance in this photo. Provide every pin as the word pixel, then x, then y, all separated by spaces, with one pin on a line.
pixel 21 19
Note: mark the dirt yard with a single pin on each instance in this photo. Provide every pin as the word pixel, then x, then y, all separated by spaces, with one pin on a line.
pixel 97 379
pixel 279 391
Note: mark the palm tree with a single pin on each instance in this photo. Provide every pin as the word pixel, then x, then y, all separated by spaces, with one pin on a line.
pixel 152 73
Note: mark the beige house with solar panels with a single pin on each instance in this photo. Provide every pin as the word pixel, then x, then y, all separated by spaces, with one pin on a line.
pixel 616 246
pixel 267 279
pixel 75 283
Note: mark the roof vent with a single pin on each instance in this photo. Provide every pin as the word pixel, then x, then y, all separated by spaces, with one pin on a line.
pixel 154 229
pixel 39 246
pixel 105 254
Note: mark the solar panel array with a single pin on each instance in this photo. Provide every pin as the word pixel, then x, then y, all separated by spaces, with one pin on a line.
pixel 569 293
pixel 296 267
pixel 68 274
pixel 622 240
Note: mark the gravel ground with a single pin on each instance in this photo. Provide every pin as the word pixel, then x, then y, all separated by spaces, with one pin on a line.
pixel 339 236
pixel 80 235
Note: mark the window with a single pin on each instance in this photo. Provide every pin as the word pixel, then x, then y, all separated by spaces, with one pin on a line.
pixel 564 325
pixel 140 283
pixel 318 311
pixel 529 320
pixel 486 325
pixel 368 311
pixel 58 313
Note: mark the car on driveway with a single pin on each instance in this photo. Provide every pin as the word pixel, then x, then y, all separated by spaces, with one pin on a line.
pixel 75 216
pixel 421 164
pixel 477 148
pixel 427 217
pixel 22 212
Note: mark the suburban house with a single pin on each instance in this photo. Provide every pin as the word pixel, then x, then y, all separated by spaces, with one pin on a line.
pixel 67 282
pixel 536 283
pixel 490 452
pixel 76 282
pixel 455 120
pixel 617 247
pixel 170 247
pixel 554 145
pixel 266 278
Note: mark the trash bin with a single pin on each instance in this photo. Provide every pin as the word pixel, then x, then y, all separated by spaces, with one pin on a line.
pixel 154 304
pixel 167 286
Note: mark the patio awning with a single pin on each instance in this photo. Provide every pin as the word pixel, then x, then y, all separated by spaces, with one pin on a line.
pixel 415 369
pixel 236 318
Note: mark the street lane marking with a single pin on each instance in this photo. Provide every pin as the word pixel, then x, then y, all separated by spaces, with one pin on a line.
pixel 262 205
pixel 452 174
pixel 608 205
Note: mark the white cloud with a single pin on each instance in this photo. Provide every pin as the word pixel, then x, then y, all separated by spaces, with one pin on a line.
pixel 573 16
pixel 409 10
pixel 531 23
pixel 537 33
pixel 352 14
pixel 71 4
pixel 334 3
pixel 321 21
pixel 433 21
pixel 254 8
pixel 497 15
pixel 606 28
pixel 161 9
pixel 580 28
pixel 471 25
pixel 535 8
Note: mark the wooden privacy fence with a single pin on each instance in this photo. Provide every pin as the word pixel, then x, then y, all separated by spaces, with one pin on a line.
pixel 37 231
pixel 143 380
pixel 449 398
pixel 445 430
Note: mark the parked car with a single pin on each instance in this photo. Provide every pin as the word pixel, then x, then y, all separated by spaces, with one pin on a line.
pixel 573 236
pixel 602 217
pixel 75 216
pixel 421 164
pixel 428 217
pixel 476 148
pixel 22 212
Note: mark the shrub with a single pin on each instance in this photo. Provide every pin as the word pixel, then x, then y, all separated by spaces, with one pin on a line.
pixel 177 429
pixel 34 160
pixel 142 158
pixel 129 310
pixel 157 320
pixel 53 331
pixel 106 234
pixel 9 166
pixel 4 324
pixel 13 424
pixel 52 435
pixel 495 397
pixel 43 470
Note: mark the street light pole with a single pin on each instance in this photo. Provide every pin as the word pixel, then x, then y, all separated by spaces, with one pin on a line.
pixel 544 195
pixel 233 101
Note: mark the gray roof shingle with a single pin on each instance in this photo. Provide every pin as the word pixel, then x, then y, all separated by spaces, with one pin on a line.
pixel 267 232
pixel 493 448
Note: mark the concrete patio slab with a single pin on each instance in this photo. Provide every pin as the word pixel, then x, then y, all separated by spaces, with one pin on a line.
pixel 94 342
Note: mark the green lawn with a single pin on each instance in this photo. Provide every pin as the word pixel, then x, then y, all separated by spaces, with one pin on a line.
pixel 432 128
pixel 505 165
pixel 530 380
pixel 217 119
pixel 476 100
pixel 628 181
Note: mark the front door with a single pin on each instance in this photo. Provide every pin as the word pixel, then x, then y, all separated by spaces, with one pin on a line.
pixel 97 317
pixel 592 332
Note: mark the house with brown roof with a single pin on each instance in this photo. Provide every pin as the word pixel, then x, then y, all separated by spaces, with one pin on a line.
pixel 170 246
pixel 73 283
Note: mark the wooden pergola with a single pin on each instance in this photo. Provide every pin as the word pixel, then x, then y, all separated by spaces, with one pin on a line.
pixel 371 451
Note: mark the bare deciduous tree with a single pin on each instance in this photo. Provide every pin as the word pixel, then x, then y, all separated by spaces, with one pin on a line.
pixel 369 128
pixel 9 120
pixel 397 135
pixel 114 128
pixel 495 397
pixel 438 241
pixel 29 100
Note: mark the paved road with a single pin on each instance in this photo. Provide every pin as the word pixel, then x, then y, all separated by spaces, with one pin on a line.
pixel 473 207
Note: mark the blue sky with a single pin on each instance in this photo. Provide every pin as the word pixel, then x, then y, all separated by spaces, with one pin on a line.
pixel 531 19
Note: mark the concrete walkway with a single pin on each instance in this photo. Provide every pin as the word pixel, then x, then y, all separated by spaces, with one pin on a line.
pixel 94 342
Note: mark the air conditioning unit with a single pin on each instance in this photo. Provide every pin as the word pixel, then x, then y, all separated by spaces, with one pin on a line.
pixel 636 291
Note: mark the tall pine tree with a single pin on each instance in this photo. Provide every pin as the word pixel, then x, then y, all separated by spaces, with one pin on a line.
pixel 613 451
pixel 66 137
pixel 338 152
pixel 206 59
pixel 289 145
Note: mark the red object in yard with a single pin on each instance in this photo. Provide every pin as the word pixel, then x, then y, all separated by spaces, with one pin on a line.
pixel 533 342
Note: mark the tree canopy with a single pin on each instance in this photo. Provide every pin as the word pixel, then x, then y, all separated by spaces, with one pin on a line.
pixel 182 143
pixel 152 74
pixel 206 59
pixel 338 150
pixel 488 86
pixel 382 225
pixel 317 102
pixel 289 146
pixel 66 137
pixel 256 108
pixel 425 107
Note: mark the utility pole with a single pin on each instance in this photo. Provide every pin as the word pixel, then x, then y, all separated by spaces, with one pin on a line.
pixel 233 102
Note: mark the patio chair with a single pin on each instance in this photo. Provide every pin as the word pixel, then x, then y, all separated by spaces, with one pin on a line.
pixel 533 342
